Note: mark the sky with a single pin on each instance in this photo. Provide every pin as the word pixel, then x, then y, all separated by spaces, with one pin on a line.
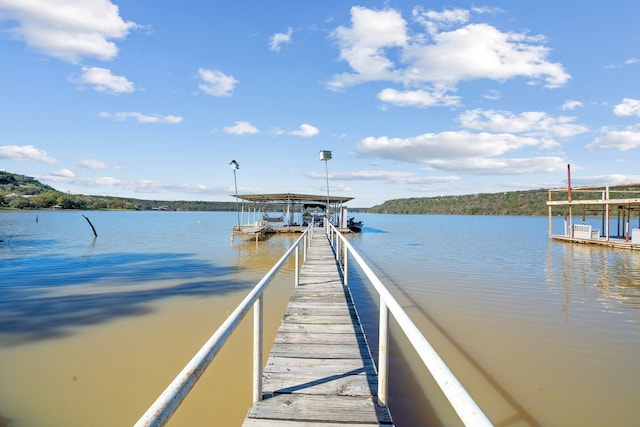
pixel 153 99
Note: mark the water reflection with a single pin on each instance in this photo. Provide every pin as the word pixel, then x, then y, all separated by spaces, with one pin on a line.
pixel 587 274
pixel 47 296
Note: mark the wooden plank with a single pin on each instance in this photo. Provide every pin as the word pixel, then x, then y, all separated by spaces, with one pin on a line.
pixel 332 351
pixel 253 422
pixel 304 368
pixel 326 338
pixel 319 371
pixel 347 385
pixel 325 320
pixel 312 408
pixel 315 328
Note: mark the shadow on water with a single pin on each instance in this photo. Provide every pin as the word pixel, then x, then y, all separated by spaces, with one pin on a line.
pixel 46 296
pixel 372 230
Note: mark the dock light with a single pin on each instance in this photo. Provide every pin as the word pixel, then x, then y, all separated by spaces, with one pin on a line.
pixel 235 166
pixel 325 155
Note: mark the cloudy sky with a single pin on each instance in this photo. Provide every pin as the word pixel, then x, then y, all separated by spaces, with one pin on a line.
pixel 153 100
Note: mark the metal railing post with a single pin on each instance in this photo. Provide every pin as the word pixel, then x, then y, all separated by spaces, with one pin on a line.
pixel 383 354
pixel 257 349
pixel 304 249
pixel 296 274
pixel 345 266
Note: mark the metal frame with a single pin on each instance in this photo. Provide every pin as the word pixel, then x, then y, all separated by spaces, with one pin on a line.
pixel 463 404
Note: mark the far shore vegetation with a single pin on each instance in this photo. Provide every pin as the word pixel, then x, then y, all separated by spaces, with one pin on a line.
pixel 23 192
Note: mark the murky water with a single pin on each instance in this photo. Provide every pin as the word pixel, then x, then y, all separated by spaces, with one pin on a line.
pixel 92 330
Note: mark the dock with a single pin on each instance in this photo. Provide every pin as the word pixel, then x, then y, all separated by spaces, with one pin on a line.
pixel 320 370
pixel 591 203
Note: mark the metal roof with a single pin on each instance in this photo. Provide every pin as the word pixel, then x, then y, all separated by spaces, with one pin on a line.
pixel 291 197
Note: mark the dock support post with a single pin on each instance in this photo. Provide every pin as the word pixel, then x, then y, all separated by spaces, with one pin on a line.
pixel 383 354
pixel 257 349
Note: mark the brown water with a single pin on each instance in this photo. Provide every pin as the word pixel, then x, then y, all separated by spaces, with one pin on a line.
pixel 540 333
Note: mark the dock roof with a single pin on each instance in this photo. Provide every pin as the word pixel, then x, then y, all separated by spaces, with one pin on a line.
pixel 292 197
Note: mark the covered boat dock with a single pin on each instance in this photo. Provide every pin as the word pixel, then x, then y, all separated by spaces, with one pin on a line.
pixel 265 214
pixel 602 215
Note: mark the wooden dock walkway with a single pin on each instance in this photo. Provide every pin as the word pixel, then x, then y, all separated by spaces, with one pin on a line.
pixel 319 371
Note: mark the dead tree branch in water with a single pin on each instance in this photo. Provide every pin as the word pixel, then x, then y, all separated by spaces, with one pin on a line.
pixel 92 227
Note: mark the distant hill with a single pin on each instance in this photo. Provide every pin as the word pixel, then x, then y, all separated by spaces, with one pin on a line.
pixel 23 192
pixel 532 202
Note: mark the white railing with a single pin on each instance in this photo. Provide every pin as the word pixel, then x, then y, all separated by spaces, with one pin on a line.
pixel 166 404
pixel 463 404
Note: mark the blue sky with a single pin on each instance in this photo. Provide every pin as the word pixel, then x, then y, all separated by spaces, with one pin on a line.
pixel 153 99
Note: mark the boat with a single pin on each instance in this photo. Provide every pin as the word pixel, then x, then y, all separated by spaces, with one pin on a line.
pixel 267 214
pixel 353 225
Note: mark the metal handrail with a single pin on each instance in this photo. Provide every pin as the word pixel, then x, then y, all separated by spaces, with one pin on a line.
pixel 463 404
pixel 167 403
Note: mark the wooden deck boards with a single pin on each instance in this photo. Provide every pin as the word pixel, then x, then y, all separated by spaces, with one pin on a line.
pixel 319 371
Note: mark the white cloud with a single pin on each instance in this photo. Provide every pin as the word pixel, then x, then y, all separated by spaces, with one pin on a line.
pixel 394 177
pixel 418 98
pixel 621 140
pixel 628 107
pixel 502 166
pixel 571 105
pixel 305 131
pixel 363 45
pixel 465 152
pixel 142 118
pixel 532 123
pixel 431 147
pixel 279 39
pixel 25 152
pixel 492 95
pixel 434 21
pixel 104 81
pixel 480 51
pixel 240 128
pixel 63 173
pixel 92 164
pixel 138 186
pixel 216 83
pixel 67 29
pixel 378 47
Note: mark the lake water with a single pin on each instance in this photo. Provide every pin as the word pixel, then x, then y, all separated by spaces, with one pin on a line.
pixel 541 333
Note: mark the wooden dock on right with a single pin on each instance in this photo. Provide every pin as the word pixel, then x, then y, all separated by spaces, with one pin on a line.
pixel 320 371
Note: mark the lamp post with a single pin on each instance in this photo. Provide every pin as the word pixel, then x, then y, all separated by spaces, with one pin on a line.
pixel 235 166
pixel 325 156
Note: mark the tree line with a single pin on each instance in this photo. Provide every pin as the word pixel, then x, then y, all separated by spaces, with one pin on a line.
pixel 23 192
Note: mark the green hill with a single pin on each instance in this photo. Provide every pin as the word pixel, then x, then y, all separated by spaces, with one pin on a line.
pixel 532 202
pixel 23 192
